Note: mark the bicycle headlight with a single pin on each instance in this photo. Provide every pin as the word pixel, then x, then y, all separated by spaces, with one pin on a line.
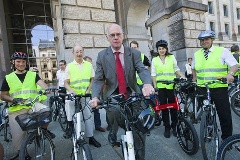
pixel 206 102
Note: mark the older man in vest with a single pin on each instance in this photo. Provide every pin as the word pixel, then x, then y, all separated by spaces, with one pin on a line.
pixel 211 62
pixel 79 76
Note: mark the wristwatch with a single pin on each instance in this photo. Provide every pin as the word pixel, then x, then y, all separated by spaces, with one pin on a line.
pixel 231 73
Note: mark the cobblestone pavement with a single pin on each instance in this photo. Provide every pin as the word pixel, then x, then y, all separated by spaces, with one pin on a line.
pixel 157 147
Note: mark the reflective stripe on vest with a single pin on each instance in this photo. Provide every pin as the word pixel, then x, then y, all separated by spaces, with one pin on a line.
pixel 210 69
pixel 25 90
pixel 164 71
pixel 139 82
pixel 80 79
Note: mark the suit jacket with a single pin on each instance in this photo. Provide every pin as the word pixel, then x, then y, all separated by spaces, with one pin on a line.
pixel 106 72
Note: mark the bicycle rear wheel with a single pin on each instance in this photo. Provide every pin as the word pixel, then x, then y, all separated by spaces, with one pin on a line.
pixel 62 117
pixel 37 147
pixel 187 136
pixel 235 103
pixel 83 153
pixel 208 136
pixel 5 131
pixel 230 148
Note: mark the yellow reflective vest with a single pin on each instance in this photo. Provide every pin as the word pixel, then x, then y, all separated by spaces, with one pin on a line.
pixel 80 80
pixel 25 90
pixel 164 71
pixel 210 69
pixel 139 82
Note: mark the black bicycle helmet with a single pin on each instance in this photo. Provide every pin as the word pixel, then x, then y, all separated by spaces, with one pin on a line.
pixel 161 43
pixel 19 55
pixel 206 34
pixel 145 121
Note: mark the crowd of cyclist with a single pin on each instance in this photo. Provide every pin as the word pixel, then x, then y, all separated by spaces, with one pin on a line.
pixel 208 63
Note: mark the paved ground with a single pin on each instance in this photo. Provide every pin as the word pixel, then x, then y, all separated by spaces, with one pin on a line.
pixel 157 147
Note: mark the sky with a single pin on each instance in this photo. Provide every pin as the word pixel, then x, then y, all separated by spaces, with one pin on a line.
pixel 41 32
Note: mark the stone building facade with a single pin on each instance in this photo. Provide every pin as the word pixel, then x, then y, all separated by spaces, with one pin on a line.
pixel 84 22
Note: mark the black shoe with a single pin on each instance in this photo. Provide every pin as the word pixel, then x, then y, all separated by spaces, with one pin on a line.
pixel 27 157
pixel 94 142
pixel 167 133
pixel 100 129
pixel 52 135
pixel 112 138
pixel 67 134
pixel 174 132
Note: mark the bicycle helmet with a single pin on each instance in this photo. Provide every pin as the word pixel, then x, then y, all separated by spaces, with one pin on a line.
pixel 145 121
pixel 19 55
pixel 161 43
pixel 206 34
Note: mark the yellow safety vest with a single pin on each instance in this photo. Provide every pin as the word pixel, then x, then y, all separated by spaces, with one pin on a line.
pixel 25 90
pixel 210 69
pixel 164 71
pixel 80 80
pixel 139 82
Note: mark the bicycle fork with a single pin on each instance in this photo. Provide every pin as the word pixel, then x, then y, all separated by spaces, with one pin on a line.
pixel 128 146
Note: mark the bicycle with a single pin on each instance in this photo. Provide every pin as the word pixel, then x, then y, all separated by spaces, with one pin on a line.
pixel 230 148
pixel 81 149
pixel 186 133
pixel 235 101
pixel 142 122
pixel 209 138
pixel 4 127
pixel 58 109
pixel 38 139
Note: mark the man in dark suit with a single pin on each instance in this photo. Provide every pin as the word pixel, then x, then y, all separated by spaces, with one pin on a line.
pixel 106 66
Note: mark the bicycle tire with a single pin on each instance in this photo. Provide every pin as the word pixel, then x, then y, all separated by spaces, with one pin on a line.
pixel 231 90
pixel 5 131
pixel 187 136
pixel 62 118
pixel 230 148
pixel 52 106
pixel 83 153
pixel 189 108
pixel 33 144
pixel 235 103
pixel 208 136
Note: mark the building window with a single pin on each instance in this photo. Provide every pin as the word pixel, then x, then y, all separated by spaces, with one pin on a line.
pixel 43 55
pixel 46 75
pixel 227 29
pixel 210 7
pixel 54 64
pixel 45 65
pixel 238 29
pixel 225 11
pixel 212 26
pixel 238 13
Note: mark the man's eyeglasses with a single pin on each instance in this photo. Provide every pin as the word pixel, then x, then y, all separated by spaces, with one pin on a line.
pixel 61 64
pixel 113 35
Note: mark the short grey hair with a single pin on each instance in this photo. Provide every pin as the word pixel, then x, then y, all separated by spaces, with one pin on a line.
pixel 113 24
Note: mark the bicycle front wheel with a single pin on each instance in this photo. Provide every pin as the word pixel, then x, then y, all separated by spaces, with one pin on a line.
pixel 62 117
pixel 230 148
pixel 83 153
pixel 37 147
pixel 187 136
pixel 208 136
pixel 235 103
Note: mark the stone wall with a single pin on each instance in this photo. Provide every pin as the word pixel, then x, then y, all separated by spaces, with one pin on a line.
pixel 84 22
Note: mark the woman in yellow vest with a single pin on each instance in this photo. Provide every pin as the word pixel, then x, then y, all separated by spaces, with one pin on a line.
pixel 164 67
pixel 18 85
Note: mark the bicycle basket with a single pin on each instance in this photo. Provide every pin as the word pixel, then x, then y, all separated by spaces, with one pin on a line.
pixel 31 121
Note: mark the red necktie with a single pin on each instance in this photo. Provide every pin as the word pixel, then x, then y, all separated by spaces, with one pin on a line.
pixel 120 75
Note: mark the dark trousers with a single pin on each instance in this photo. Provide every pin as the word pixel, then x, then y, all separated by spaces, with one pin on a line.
pixel 115 120
pixel 220 98
pixel 167 96
pixel 97 119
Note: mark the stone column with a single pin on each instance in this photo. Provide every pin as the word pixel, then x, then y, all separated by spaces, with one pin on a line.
pixel 179 24
pixel 4 51
pixel 84 22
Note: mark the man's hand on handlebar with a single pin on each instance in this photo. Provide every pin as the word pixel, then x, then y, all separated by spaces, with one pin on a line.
pixel 94 102
pixel 17 101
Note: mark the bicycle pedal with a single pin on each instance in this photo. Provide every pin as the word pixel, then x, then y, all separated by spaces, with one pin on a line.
pixel 116 145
